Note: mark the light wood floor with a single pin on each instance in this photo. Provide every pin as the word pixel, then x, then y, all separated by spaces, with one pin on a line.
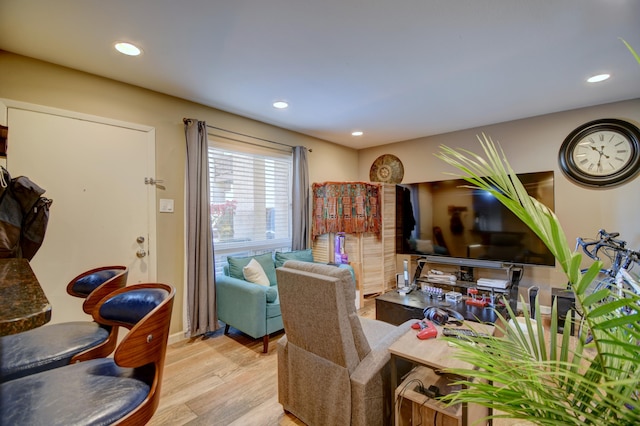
pixel 225 380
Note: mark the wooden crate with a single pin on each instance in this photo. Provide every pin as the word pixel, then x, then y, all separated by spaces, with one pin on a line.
pixel 413 407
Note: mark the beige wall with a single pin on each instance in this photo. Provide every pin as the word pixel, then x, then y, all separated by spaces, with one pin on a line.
pixel 532 145
pixel 27 80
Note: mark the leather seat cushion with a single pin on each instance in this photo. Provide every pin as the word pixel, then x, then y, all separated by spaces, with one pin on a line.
pixel 88 283
pixel 130 307
pixel 47 347
pixel 95 392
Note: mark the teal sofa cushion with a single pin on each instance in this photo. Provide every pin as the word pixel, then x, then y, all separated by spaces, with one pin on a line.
pixel 273 307
pixel 272 295
pixel 301 255
pixel 265 260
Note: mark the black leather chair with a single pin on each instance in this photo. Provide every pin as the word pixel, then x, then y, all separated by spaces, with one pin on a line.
pixel 56 345
pixel 123 390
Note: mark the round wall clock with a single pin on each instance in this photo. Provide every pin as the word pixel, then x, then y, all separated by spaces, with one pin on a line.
pixel 601 153
pixel 387 168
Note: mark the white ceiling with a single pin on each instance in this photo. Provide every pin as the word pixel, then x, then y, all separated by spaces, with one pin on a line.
pixel 395 69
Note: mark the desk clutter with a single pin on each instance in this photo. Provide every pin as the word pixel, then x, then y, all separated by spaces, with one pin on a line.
pixel 440 277
pixel 444 287
pixel 426 329
pixel 492 283
pixel 454 290
pixel 476 295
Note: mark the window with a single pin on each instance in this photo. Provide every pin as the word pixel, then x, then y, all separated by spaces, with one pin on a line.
pixel 250 200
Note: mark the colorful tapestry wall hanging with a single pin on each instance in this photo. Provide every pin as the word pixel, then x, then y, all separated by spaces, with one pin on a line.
pixel 351 207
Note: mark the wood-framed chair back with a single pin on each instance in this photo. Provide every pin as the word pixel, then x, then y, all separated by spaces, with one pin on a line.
pixel 145 309
pixel 100 282
pixel 96 283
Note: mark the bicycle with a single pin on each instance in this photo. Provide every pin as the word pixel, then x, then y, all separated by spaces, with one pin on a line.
pixel 617 278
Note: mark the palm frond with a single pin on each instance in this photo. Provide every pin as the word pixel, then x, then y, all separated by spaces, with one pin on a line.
pixel 526 374
pixel 633 52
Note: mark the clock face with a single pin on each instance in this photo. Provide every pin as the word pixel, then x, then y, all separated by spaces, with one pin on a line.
pixel 601 153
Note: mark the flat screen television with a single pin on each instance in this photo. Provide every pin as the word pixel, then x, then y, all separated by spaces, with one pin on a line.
pixel 468 226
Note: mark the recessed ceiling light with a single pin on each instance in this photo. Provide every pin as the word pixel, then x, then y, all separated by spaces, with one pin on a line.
pixel 280 105
pixel 357 133
pixel 128 49
pixel 598 78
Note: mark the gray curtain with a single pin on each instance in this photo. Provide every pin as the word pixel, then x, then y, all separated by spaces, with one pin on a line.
pixel 201 314
pixel 300 199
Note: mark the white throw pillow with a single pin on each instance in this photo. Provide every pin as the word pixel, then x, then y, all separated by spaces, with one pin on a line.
pixel 254 273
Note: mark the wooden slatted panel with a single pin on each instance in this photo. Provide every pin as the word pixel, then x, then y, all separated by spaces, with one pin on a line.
pixel 322 249
pixel 389 236
pixel 372 264
pixel 352 247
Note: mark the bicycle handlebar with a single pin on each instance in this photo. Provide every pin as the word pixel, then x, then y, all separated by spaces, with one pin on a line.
pixel 606 234
pixel 610 238
pixel 585 248
pixel 606 240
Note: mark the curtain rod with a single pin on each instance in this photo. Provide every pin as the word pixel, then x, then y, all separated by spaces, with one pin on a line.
pixel 250 143
pixel 247 136
pixel 254 137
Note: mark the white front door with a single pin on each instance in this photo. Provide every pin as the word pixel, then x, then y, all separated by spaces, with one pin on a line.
pixel 103 213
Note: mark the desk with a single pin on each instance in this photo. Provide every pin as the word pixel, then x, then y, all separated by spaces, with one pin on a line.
pixel 436 355
pixel 23 304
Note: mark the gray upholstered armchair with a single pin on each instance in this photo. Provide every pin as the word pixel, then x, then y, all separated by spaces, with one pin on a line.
pixel 333 366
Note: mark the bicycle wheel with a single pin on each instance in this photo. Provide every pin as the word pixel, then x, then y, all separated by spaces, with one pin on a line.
pixel 601 281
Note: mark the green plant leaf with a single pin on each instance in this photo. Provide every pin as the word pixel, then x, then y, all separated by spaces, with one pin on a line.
pixel 528 377
pixel 633 52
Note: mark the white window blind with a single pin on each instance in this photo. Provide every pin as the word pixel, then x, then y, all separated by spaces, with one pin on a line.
pixel 250 200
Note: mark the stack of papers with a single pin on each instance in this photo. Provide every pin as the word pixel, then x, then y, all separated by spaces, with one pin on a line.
pixel 493 283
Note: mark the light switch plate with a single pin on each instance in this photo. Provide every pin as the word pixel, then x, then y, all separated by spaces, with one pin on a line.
pixel 166 205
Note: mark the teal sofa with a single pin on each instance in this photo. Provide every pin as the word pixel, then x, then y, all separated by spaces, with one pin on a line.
pixel 251 308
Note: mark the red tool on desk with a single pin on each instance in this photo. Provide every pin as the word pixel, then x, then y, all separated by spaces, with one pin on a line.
pixel 474 301
pixel 427 329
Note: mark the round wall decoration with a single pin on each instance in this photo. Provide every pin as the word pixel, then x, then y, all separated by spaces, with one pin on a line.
pixel 601 153
pixel 387 168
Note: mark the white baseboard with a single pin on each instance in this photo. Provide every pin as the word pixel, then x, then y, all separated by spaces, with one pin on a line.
pixel 176 337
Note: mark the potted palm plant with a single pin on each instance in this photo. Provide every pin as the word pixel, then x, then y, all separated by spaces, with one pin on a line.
pixel 525 375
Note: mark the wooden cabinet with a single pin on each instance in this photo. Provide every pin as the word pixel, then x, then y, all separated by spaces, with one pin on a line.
pixel 372 256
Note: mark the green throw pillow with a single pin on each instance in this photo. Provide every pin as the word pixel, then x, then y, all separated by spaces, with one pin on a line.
pixel 265 260
pixel 301 255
